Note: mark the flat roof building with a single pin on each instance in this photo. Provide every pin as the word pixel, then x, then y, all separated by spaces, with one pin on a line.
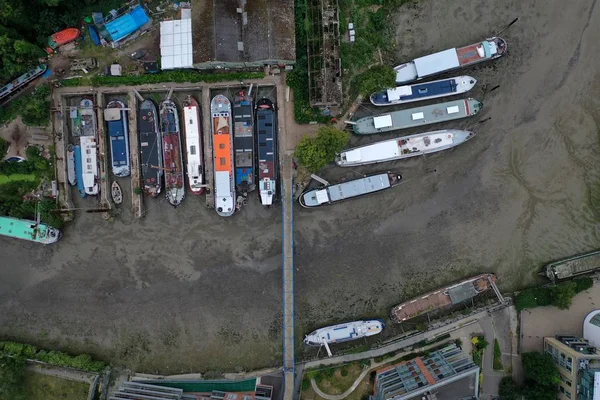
pixel 243 34
pixel 577 361
pixel 448 373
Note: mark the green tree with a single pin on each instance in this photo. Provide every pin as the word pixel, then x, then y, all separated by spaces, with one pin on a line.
pixel 562 294
pixel 12 371
pixel 508 389
pixel 540 369
pixel 539 392
pixel 315 153
pixel 375 79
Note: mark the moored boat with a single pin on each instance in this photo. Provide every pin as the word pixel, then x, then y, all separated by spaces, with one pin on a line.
pixel 572 266
pixel 21 81
pixel 423 91
pixel 243 142
pixel 268 171
pixel 89 165
pixel 403 147
pixel 116 192
pixel 220 110
pixel 71 176
pixel 28 230
pixel 418 116
pixel 450 59
pixel 83 119
pixel 344 332
pixel 61 38
pixel 116 122
pixel 79 170
pixel 150 149
pixel 193 146
pixel 172 152
pixel 451 295
pixel 330 194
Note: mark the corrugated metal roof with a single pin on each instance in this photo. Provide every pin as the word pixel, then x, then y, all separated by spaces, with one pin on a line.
pixel 434 63
pixel 176 44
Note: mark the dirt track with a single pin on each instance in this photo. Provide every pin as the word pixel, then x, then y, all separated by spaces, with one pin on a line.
pixel 185 290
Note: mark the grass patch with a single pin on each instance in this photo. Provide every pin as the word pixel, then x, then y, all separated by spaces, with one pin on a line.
pixel 17 177
pixel 497 356
pixel 44 387
pixel 559 295
pixel 167 76
pixel 338 380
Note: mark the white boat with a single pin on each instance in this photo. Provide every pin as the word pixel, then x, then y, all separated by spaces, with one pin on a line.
pixel 344 332
pixel 116 192
pixel 330 194
pixel 89 164
pixel 450 59
pixel 72 177
pixel 403 147
pixel 423 91
pixel 193 154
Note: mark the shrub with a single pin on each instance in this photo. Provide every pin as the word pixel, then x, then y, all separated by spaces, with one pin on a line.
pixel 3 147
pixel 329 372
pixel 374 79
pixel 82 361
pixel 315 153
pixel 508 389
pixel 497 364
pixel 562 294
pixel 344 372
pixel 305 384
pixel 583 283
pixel 172 76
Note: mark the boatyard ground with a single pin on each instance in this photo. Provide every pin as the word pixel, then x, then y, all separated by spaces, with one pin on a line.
pixel 185 290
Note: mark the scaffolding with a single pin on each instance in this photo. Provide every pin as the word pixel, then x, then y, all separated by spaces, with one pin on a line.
pixel 324 62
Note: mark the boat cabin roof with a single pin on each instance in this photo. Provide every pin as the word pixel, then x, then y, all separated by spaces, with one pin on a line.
pixel 382 121
pixel 436 62
pixel 376 151
pixel 394 94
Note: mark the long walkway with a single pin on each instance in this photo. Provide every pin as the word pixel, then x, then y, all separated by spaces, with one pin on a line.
pixel 288 276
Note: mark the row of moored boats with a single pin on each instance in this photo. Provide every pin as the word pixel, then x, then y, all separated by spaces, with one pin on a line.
pixel 407 91
pixel 239 145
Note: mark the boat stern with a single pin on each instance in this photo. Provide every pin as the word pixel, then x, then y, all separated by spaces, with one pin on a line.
pixel 380 98
pixel 267 191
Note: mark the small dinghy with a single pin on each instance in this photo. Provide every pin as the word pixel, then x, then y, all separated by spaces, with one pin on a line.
pixel 117 194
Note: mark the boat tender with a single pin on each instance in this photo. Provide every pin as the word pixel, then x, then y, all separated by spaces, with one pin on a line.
pixel 450 59
pixel 28 230
pixel 150 149
pixel 116 122
pixel 243 142
pixel 418 116
pixel 344 332
pixel 330 194
pixel 172 152
pixel 266 127
pixel 403 147
pixel 423 91
pixel 193 145
pixel 220 109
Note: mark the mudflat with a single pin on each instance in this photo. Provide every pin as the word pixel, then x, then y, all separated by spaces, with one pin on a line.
pixel 185 290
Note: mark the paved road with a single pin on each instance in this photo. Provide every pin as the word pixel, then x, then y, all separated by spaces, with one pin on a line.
pixel 491 378
pixel 288 277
